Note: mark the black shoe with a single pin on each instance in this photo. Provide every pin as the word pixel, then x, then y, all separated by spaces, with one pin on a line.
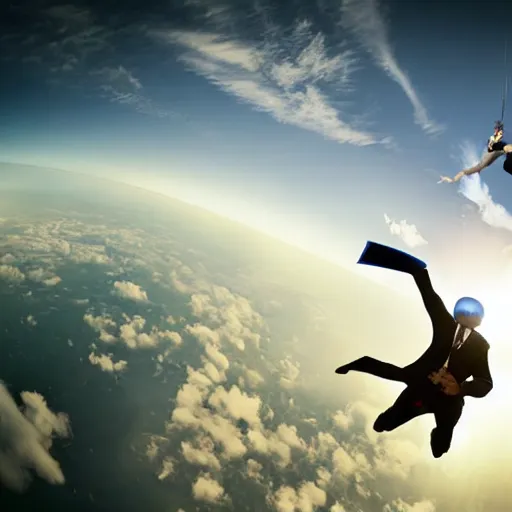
pixel 380 423
pixel 343 370
pixel 436 444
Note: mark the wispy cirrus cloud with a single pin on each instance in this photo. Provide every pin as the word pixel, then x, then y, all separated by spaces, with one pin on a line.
pixel 291 82
pixel 119 85
pixel 75 49
pixel 473 188
pixel 365 20
pixel 70 14
pixel 120 76
pixel 407 232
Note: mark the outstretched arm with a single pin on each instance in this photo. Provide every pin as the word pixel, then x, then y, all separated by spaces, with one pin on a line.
pixel 433 303
pixel 481 384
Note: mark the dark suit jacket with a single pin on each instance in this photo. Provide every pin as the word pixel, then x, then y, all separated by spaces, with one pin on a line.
pixel 470 360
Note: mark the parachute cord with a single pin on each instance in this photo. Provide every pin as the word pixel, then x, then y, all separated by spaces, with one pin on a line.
pixel 505 86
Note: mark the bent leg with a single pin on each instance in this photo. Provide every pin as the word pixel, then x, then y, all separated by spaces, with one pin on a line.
pixel 375 367
pixel 447 415
pixel 486 161
pixel 406 407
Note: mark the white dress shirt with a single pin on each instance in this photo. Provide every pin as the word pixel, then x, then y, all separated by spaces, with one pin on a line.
pixel 465 336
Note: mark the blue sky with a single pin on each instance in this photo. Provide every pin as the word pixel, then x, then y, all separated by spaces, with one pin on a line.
pixel 323 123
pixel 310 121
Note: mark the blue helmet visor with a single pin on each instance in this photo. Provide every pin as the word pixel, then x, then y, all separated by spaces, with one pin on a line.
pixel 467 306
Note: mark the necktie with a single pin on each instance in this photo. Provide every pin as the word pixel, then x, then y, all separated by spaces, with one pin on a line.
pixel 459 337
pixel 457 342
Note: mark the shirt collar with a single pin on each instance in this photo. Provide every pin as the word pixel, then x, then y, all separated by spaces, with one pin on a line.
pixel 467 332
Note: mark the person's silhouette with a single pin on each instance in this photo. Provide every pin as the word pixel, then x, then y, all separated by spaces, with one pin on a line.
pixel 437 381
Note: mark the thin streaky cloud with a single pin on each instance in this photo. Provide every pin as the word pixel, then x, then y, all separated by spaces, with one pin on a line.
pixel 289 87
pixel 119 75
pixel 364 19
pixel 70 13
pixel 78 53
pixel 119 85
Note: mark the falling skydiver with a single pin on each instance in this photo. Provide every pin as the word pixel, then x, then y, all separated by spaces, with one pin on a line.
pixel 496 147
pixel 437 382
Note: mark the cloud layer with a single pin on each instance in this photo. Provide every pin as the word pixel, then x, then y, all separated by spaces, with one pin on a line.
pixel 237 405
pixel 222 424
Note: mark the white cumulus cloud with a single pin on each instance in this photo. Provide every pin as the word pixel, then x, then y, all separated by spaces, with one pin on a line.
pixel 101 324
pixel 402 506
pixel 237 404
pixel 105 362
pixel 207 489
pixel 254 470
pixel 306 499
pixel 26 438
pixel 342 420
pixel 10 273
pixel 41 275
pixel 202 455
pixel 407 232
pixel 129 290
pixel 290 372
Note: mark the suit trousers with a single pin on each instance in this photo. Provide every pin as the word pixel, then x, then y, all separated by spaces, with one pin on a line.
pixel 419 397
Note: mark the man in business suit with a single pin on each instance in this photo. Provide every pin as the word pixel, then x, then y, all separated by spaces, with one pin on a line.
pixel 437 381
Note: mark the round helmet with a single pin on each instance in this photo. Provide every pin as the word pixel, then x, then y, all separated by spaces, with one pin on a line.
pixel 468 306
pixel 498 125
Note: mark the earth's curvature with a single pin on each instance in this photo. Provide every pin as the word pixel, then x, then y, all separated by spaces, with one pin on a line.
pixel 164 359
